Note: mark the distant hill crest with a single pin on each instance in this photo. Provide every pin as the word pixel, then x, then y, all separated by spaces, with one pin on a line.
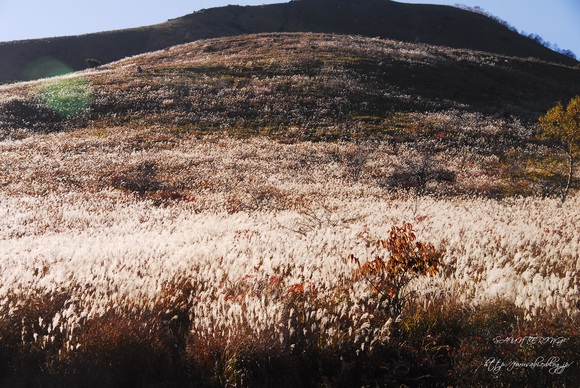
pixel 430 24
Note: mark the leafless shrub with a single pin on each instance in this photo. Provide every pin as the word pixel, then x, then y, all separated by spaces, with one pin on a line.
pixel 417 172
pixel 316 214
pixel 354 159
pixel 139 179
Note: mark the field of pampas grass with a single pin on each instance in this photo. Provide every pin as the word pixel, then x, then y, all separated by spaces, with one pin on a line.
pixel 151 236
pixel 248 263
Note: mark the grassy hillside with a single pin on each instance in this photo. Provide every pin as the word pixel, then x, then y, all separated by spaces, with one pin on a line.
pixel 431 24
pixel 191 217
pixel 309 87
pixel 322 86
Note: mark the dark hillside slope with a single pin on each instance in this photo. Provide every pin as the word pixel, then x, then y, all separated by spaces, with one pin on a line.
pixel 432 24
pixel 291 85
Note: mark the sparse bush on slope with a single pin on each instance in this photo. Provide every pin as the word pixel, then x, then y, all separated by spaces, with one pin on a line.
pixel 26 116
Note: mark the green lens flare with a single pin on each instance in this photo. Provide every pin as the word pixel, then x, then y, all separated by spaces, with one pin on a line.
pixel 44 68
pixel 66 96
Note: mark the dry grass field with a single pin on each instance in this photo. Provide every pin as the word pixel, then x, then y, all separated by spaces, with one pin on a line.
pixel 191 223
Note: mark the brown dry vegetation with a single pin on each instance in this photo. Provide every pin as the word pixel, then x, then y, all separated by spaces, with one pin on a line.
pixel 441 343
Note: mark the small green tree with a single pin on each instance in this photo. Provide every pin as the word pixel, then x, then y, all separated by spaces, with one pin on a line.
pixel 560 128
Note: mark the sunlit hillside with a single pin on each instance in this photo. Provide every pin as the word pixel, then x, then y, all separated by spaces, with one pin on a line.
pixel 190 217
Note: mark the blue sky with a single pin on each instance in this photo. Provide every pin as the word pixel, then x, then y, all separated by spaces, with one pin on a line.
pixel 556 21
